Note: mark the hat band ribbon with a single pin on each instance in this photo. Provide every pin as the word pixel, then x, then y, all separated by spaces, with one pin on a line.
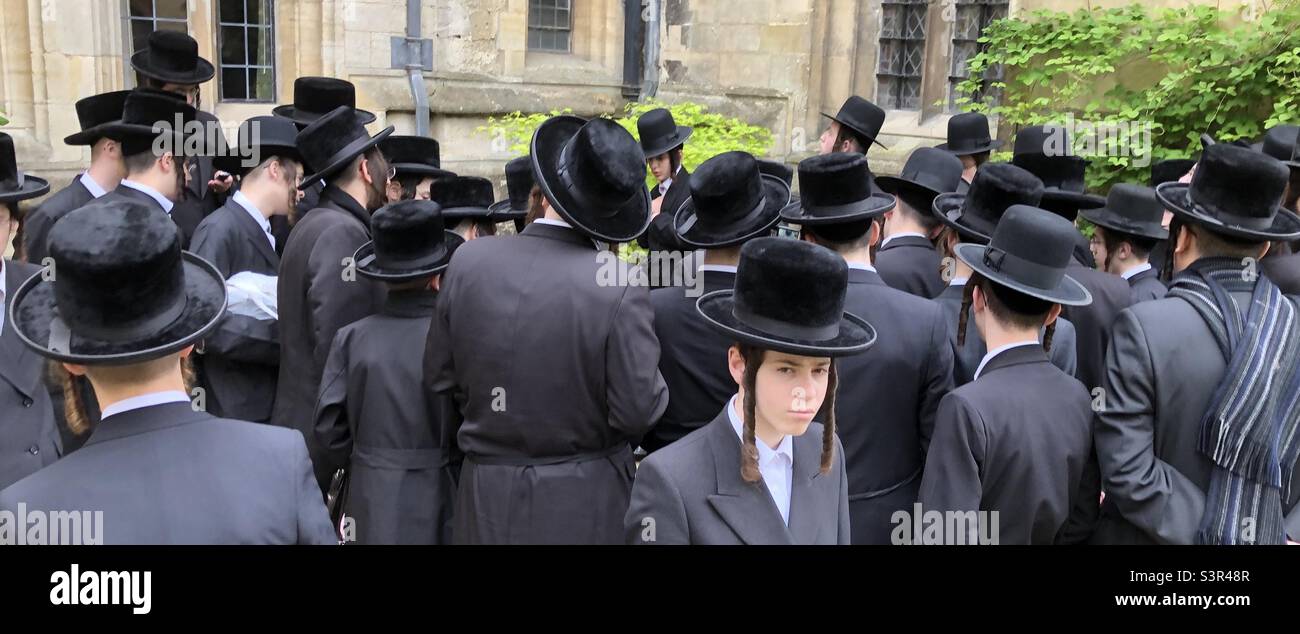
pixel 61 334
pixel 350 148
pixel 783 329
pixel 1226 218
pixel 1021 270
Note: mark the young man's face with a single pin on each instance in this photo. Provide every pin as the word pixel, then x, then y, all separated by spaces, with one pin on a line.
pixel 8 227
pixel 1097 244
pixel 789 390
pixel 189 91
pixel 828 137
pixel 661 166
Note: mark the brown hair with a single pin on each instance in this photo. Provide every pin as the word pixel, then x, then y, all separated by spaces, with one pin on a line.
pixel 74 409
pixel 749 471
pixel 1007 306
pixel 534 205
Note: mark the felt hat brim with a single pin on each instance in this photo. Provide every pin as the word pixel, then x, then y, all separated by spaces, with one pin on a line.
pixel 32 187
pixel 502 211
pixel 422 169
pixel 292 113
pixel 874 205
pixel 855 334
pixel 947 208
pixel 662 146
pixel 346 156
pixel 1175 197
pixel 623 225
pixel 433 263
pixel 203 70
pixel 235 164
pixel 89 136
pixel 1069 292
pixel 1109 219
pixel 1077 199
pixel 776 195
pixel 855 129
pixel 993 144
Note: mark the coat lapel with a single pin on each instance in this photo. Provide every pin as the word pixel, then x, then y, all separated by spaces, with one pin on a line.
pixel 253 232
pixel 747 508
pixel 13 354
pixel 807 512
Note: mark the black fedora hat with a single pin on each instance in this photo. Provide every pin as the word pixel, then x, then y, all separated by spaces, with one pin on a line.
pixel 414 155
pixel 519 184
pixel 835 188
pixel 861 116
pixel 659 133
pixel 968 133
pixel 148 115
pixel 1130 209
pixel 730 202
pixel 1170 170
pixel 1294 161
pixel 123 291
pixel 927 173
pixel 1046 152
pixel 172 57
pixel 463 196
pixel 314 97
pixel 789 297
pixel 1278 142
pixel 777 169
pixel 258 139
pixel 93 113
pixel 15 185
pixel 334 141
pixel 1029 252
pixel 410 242
pixel 996 187
pixel 1235 192
pixel 593 175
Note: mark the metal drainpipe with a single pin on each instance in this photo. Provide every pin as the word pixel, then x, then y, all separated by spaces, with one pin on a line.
pixel 414 72
pixel 650 66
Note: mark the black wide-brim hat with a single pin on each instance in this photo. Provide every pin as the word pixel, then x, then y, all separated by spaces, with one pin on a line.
pixel 659 133
pixel 414 155
pixel 761 217
pixel 1230 188
pixel 519 185
pixel 16 185
pixel 172 57
pixel 861 116
pixel 997 186
pixel 1131 209
pixel 266 136
pixel 463 197
pixel 432 263
pixel 315 97
pixel 789 297
pixel 320 137
pixel 801 212
pixel 94 113
pixel 968 133
pixel 1029 253
pixel 836 188
pixel 619 221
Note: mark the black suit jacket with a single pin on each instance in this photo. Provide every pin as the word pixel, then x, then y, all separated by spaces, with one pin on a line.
pixel 1110 294
pixel 167 474
pixel 184 227
pixel 36 227
pixel 319 292
pixel 967 357
pixel 1284 270
pixel 241 358
pixel 692 359
pixel 887 400
pixel 197 201
pixel 1017 440
pixel 911 264
pixel 29 434
pixel 555 374
pixel 660 235
pixel 1146 286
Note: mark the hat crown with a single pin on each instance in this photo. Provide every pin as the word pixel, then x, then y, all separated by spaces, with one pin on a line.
pixel 1280 141
pixel 838 178
pixel 656 124
pixel 462 191
pixel 995 188
pixel 1036 236
pixel 776 169
pixel 1170 170
pixel 412 149
pixel 323 94
pixel 102 108
pixel 934 169
pixel 968 130
pixel 155 107
pixel 119 266
pixel 862 116
pixel 519 180
pixel 407 230
pixel 1232 181
pixel 8 160
pixel 174 44
pixel 793 283
pixel 329 135
pixel 726 188
pixel 1135 202
pixel 603 162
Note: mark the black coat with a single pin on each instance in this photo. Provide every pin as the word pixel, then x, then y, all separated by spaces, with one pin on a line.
pixel 374 417
pixel 911 264
pixel 241 358
pixel 660 235
pixel 185 225
pixel 555 374
pixel 692 360
pixel 318 293
pixel 692 493
pixel 1110 294
pixel 887 400
pixel 1284 270
pixel 167 474
pixel 1162 369
pixel 29 433
pixel 967 357
pixel 36 227
pixel 197 201
pixel 1146 286
pixel 1018 441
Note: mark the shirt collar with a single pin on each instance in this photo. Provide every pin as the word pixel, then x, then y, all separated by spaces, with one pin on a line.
pixel 91 186
pixel 4 295
pixel 765 453
pixel 902 234
pixel 718 268
pixel 144 400
pixel 999 350
pixel 1145 266
pixel 153 193
pixel 862 267
pixel 958 281
pixel 552 221
pixel 240 199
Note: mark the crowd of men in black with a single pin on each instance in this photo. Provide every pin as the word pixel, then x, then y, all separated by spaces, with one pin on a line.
pixel 947 339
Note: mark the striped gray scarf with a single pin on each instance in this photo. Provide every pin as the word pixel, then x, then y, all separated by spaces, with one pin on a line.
pixel 1250 429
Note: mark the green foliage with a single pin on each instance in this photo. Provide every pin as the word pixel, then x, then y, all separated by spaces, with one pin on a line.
pixel 3 120
pixel 1176 72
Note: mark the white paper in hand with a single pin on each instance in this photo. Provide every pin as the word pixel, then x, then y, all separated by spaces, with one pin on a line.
pixel 252 295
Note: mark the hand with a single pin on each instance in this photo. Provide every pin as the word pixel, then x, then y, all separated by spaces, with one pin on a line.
pixel 655 205
pixel 221 182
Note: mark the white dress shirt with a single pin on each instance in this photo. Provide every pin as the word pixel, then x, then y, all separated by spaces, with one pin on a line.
pixel 862 267
pixel 1145 266
pixel 91 186
pixel 901 234
pixel 240 199
pixel 775 465
pixel 999 350
pixel 958 281
pixel 718 268
pixel 143 401
pixel 552 221
pixel 153 193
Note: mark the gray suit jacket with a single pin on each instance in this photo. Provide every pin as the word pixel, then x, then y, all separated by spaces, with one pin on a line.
pixel 167 474
pixel 1147 286
pixel 911 264
pixel 36 227
pixel 29 434
pixel 1162 369
pixel 1110 294
pixel 691 492
pixel 241 358
pixel 967 357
